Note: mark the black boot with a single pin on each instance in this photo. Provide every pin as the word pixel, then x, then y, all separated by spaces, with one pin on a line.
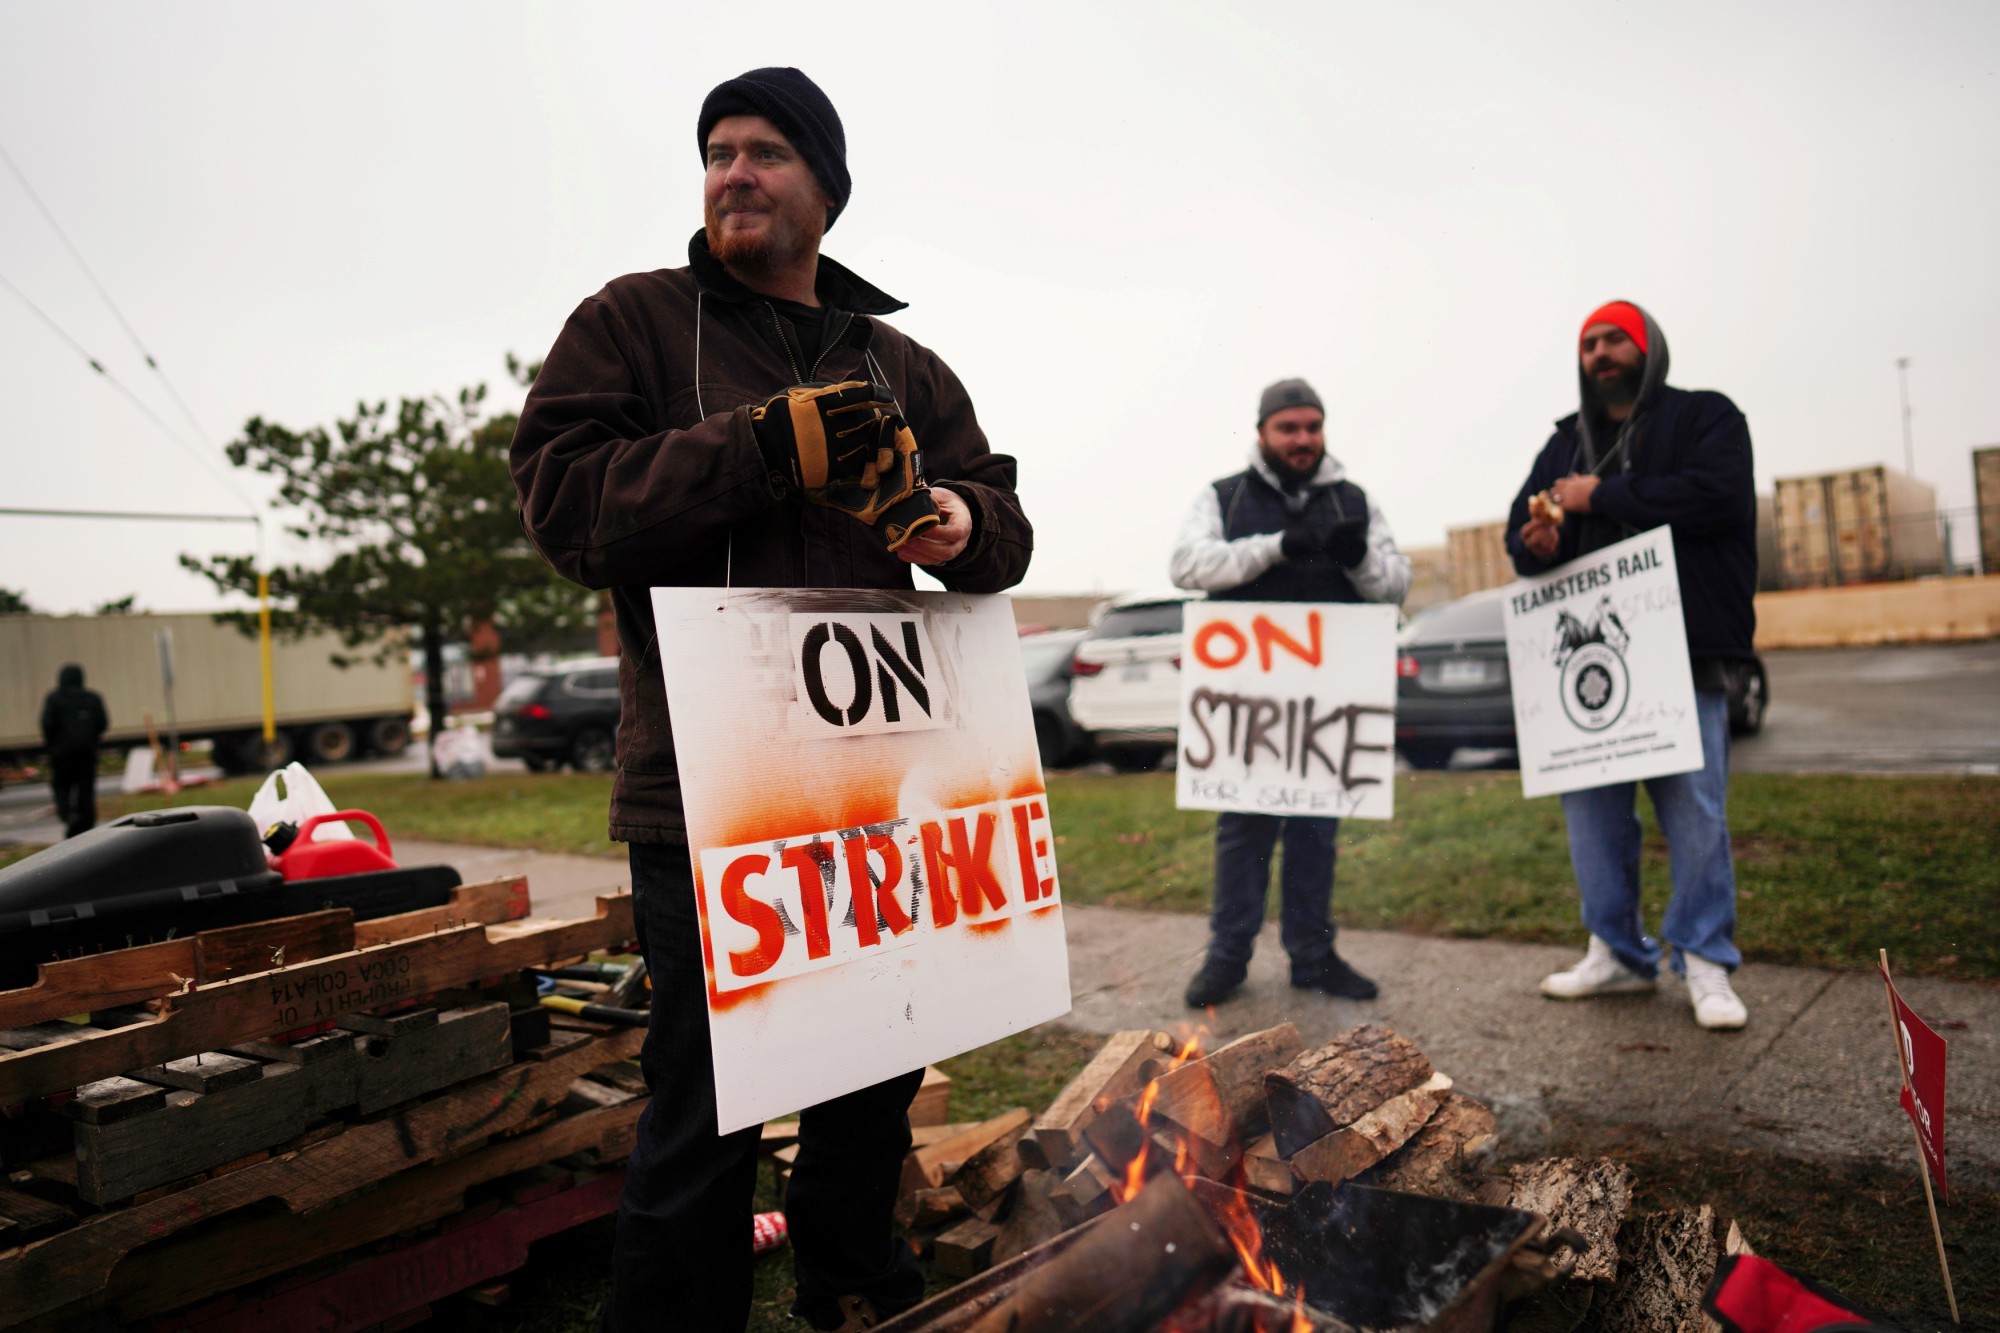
pixel 1216 982
pixel 1334 977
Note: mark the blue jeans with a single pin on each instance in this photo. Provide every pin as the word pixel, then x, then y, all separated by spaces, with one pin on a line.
pixel 1692 809
pixel 1243 846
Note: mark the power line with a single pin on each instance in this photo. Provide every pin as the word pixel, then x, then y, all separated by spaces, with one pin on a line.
pixel 130 513
pixel 90 273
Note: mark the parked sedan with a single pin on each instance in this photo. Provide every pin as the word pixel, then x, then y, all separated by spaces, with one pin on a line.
pixel 1453 690
pixel 1046 659
pixel 564 715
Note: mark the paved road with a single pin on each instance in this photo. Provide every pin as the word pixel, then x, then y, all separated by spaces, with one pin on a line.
pixel 1907 709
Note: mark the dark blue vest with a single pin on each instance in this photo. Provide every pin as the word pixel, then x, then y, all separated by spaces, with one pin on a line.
pixel 1250 505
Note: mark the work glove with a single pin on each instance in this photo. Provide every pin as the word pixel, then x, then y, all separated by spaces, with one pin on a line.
pixel 1319 534
pixel 846 447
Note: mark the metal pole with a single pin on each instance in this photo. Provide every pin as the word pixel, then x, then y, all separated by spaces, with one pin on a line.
pixel 1903 384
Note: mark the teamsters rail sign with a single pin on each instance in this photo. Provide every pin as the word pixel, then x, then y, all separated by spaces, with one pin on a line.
pixel 1288 708
pixel 874 867
pixel 1597 652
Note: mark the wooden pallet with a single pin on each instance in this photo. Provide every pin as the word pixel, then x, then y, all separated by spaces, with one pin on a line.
pixel 369 1180
pixel 149 972
pixel 297 995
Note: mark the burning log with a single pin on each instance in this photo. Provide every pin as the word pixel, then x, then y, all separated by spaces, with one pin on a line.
pixel 1591 1197
pixel 1338 1083
pixel 1444 1157
pixel 1217 1101
pixel 1264 1170
pixel 1057 1137
pixel 1131 1269
pixel 1348 1152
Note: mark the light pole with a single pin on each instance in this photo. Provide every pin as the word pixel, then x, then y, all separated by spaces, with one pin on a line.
pixel 1903 384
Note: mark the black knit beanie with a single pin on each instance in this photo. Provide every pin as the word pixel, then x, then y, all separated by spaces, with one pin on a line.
pixel 794 103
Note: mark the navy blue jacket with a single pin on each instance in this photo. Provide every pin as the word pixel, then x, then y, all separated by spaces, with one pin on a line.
pixel 1690 468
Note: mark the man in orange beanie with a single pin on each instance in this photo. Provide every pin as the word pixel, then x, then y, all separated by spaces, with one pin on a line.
pixel 1637 455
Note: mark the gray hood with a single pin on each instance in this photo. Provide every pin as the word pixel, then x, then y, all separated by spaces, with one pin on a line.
pixel 1594 454
pixel 1328 473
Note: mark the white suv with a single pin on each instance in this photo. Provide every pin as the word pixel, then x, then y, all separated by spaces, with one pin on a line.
pixel 1126 686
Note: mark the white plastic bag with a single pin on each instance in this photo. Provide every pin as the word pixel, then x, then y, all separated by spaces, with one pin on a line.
pixel 293 795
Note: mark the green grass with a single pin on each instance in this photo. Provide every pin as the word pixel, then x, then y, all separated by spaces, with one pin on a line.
pixel 9 855
pixel 1829 868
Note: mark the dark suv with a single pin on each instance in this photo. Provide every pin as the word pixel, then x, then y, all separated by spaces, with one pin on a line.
pixel 563 715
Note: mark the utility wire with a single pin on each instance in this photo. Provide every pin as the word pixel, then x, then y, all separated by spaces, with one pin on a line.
pixel 90 273
pixel 130 513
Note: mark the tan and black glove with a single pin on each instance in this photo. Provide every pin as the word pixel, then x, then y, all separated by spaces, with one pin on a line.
pixel 846 447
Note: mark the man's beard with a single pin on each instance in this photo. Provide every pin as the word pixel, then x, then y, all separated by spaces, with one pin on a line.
pixel 1620 391
pixel 759 253
pixel 1289 477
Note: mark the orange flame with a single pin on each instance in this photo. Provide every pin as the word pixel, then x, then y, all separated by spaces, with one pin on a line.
pixel 1135 1170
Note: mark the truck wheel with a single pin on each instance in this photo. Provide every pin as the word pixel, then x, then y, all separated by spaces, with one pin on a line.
pixel 1134 758
pixel 389 736
pixel 232 753
pixel 593 751
pixel 262 756
pixel 330 743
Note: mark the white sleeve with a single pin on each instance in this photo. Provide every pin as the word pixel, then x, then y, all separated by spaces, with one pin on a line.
pixel 1204 562
pixel 1384 574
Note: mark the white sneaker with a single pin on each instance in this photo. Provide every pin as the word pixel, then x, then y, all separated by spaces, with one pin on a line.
pixel 1600 973
pixel 1715 1003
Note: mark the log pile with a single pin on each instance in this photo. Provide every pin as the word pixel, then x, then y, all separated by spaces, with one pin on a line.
pixel 1269 1118
pixel 240 1121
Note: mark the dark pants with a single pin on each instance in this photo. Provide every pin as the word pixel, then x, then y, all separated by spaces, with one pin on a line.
pixel 682 1258
pixel 1243 846
pixel 74 777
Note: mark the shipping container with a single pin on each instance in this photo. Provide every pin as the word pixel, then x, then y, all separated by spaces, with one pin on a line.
pixel 1770 569
pixel 325 713
pixel 1986 494
pixel 1864 525
pixel 1478 556
pixel 1430 578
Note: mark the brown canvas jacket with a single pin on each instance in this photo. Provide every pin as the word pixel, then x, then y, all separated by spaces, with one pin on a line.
pixel 625 483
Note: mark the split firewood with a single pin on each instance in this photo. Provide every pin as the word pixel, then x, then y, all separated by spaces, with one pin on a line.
pixel 777 1134
pixel 1592 1197
pixel 932 1104
pixel 1217 1102
pixel 1033 1219
pixel 966 1248
pixel 1123 1275
pixel 924 1168
pixel 929 1208
pixel 1444 1158
pixel 987 1173
pixel 1264 1170
pixel 1085 1192
pixel 1348 1151
pixel 1340 1082
pixel 1057 1137
pixel 1666 1262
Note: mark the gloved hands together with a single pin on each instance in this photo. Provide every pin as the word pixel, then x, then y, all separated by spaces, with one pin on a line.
pixel 846 447
pixel 1319 534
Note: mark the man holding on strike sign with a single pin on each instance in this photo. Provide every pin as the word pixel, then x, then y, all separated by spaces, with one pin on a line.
pixel 748 420
pixel 1288 528
pixel 1637 455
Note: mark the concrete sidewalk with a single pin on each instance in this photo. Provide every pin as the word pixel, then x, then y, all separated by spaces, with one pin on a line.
pixel 1814 1074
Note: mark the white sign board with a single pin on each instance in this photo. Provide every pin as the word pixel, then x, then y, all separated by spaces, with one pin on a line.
pixel 873 862
pixel 1288 708
pixel 1597 652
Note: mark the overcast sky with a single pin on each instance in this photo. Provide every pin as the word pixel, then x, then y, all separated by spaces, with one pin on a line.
pixel 1116 222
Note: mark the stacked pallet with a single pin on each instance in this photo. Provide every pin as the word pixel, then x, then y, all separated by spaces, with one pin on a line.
pixel 235 1124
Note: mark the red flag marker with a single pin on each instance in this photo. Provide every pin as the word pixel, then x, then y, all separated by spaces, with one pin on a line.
pixel 1920 1056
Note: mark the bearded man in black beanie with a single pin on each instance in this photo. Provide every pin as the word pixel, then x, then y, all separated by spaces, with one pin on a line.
pixel 675 437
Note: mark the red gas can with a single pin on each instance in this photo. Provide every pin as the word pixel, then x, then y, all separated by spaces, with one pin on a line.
pixel 306 859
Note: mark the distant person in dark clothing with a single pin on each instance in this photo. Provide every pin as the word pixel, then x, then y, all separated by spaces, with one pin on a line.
pixel 73 722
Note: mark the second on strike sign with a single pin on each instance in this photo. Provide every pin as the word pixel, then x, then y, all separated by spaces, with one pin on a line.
pixel 1288 708
pixel 874 866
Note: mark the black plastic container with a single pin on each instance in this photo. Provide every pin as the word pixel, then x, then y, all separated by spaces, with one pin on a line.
pixel 163 874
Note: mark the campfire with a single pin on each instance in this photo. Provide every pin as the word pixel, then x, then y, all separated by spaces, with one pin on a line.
pixel 1260 1186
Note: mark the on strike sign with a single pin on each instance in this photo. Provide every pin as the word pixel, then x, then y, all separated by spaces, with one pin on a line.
pixel 1288 708
pixel 1597 656
pixel 1921 1052
pixel 874 866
